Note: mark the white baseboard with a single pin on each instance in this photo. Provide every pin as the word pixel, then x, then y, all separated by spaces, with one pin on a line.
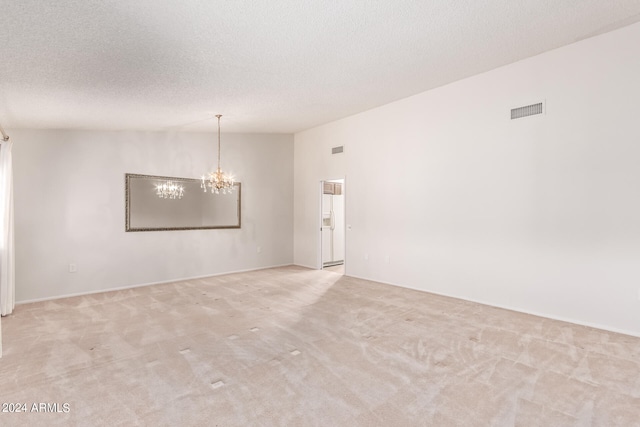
pixel 519 310
pixel 140 285
pixel 305 266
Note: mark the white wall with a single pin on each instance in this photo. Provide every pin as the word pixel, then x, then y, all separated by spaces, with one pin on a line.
pixel 70 208
pixel 540 214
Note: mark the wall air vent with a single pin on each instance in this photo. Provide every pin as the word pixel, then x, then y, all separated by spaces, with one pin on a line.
pixel 526 111
pixel 337 150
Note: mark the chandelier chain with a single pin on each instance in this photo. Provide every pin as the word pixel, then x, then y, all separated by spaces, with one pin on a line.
pixel 218 116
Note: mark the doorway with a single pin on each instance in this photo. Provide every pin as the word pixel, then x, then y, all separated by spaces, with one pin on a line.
pixel 332 229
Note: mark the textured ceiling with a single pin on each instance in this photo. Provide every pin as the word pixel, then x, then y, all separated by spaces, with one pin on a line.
pixel 270 66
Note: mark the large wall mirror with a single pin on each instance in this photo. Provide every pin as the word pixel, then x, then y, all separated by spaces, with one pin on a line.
pixel 195 210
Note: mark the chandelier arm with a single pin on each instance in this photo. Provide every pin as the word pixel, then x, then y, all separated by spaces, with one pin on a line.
pixel 5 137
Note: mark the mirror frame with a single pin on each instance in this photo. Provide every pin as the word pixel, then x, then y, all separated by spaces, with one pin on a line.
pixel 128 228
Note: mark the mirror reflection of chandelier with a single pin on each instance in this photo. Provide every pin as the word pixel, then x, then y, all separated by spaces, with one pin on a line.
pixel 217 182
pixel 169 190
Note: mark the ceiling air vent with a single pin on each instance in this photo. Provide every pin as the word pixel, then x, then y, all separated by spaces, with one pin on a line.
pixel 337 150
pixel 526 111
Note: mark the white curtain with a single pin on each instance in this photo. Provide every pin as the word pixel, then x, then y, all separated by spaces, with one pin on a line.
pixel 7 263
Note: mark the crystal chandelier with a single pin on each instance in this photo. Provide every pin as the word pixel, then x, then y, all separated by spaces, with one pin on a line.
pixel 217 182
pixel 169 190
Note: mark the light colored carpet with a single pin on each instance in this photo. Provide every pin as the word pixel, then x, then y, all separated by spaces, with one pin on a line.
pixel 292 346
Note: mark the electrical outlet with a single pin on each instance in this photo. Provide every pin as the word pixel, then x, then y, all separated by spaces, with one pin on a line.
pixel 73 268
pixel 259 249
pixel 387 259
pixel 366 257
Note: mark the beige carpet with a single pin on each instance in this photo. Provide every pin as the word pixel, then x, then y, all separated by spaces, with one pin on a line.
pixel 297 347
